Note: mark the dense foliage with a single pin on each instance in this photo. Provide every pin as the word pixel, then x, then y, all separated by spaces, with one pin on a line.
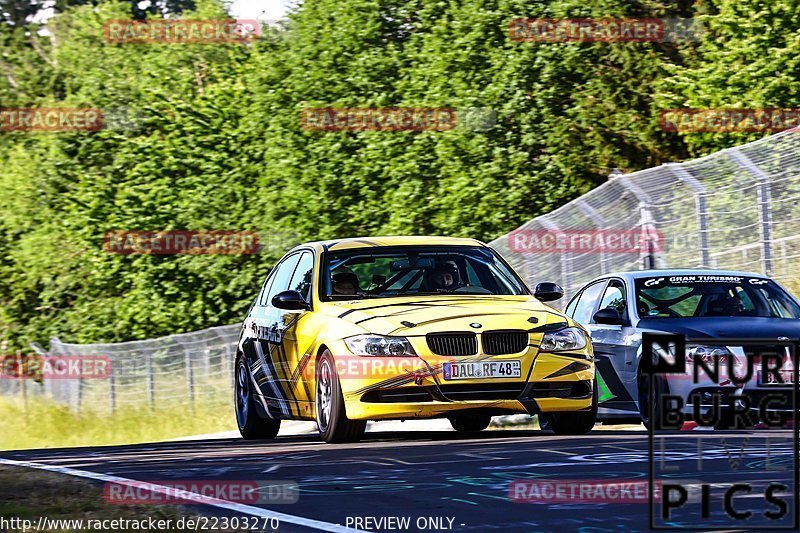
pixel 208 136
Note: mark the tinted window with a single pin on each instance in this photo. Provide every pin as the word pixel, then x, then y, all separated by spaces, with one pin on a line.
pixel 301 280
pixel 281 278
pixel 585 306
pixel 407 271
pixel 614 297
pixel 709 295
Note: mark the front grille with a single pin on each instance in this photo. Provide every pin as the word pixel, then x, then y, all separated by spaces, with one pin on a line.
pixel 452 343
pixel 504 342
pixel 483 391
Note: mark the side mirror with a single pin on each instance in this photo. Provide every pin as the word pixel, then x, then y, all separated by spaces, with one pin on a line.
pixel 608 316
pixel 289 301
pixel 548 292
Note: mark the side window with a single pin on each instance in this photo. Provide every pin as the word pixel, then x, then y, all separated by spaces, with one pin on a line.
pixel 585 306
pixel 614 297
pixel 570 309
pixel 303 275
pixel 280 281
pixel 262 296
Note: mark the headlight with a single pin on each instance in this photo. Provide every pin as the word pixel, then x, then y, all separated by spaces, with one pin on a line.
pixel 563 340
pixel 708 353
pixel 378 345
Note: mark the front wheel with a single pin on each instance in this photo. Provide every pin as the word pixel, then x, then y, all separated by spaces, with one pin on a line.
pixel 571 422
pixel 660 389
pixel 332 421
pixel 251 425
pixel 470 423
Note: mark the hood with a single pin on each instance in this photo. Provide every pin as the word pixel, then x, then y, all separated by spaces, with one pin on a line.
pixel 733 327
pixel 426 314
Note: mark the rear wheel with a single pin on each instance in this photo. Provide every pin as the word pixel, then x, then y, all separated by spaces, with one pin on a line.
pixel 470 423
pixel 571 422
pixel 251 425
pixel 332 421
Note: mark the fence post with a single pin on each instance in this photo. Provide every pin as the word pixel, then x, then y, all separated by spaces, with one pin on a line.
pixel 702 209
pixel 151 386
pixel 229 363
pixel 764 205
pixel 646 217
pixel 600 223
pixel 112 389
pixel 189 378
pixel 23 380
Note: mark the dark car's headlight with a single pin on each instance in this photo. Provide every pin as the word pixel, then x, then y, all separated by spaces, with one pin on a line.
pixel 709 353
pixel 379 345
pixel 563 340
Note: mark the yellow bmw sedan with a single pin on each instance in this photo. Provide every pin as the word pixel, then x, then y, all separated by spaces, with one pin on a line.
pixel 394 328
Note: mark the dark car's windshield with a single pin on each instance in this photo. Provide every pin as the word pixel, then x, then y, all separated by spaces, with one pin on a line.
pixel 409 271
pixel 712 296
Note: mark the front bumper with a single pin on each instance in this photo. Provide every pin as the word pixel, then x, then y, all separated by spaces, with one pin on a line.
pixel 548 383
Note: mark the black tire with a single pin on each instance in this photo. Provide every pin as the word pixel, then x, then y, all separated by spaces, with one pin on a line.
pixel 251 425
pixel 661 388
pixel 470 423
pixel 332 422
pixel 571 422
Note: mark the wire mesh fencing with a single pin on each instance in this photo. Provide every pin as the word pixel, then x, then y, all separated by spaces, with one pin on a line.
pixel 191 370
pixel 733 209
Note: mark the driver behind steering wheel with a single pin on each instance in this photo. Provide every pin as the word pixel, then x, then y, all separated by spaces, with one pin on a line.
pixel 444 277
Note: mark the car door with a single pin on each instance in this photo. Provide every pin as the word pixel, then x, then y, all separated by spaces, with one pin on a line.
pixel 615 346
pixel 263 344
pixel 300 329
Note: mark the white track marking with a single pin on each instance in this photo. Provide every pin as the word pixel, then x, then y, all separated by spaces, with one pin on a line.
pixel 193 497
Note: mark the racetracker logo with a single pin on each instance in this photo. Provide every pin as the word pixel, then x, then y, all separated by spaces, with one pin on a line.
pixel 202 491
pixel 359 367
pixel 578 491
pixel 397 119
pixel 729 120
pixel 378 119
pixel 50 119
pixel 55 367
pixel 180 31
pixel 602 30
pixel 181 242
pixel 585 241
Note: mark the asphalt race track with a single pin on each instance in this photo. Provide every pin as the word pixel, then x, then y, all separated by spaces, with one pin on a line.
pixel 433 474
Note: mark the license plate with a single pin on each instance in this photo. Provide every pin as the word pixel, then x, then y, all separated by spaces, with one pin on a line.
pixel 482 370
pixel 786 375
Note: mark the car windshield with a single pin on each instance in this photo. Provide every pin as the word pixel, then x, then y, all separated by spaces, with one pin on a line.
pixel 408 271
pixel 695 296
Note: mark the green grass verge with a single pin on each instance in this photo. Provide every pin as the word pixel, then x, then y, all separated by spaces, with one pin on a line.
pixel 29 494
pixel 43 423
